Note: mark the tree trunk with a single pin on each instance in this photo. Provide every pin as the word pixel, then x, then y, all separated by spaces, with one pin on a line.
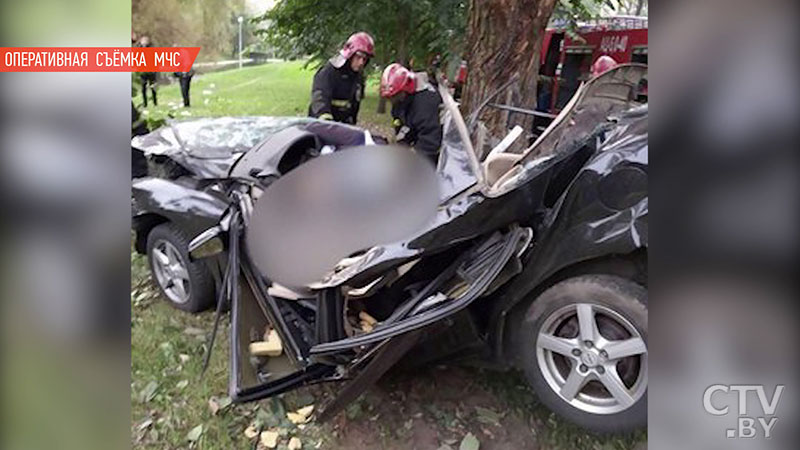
pixel 504 40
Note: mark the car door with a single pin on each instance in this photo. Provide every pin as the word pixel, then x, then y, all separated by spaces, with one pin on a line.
pixel 258 367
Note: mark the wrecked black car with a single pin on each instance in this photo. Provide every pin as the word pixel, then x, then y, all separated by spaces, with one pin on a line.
pixel 535 259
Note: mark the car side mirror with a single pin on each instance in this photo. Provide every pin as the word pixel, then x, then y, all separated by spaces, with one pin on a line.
pixel 208 243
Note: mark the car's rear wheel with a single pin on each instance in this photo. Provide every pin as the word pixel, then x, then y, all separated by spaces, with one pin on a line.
pixel 583 345
pixel 186 285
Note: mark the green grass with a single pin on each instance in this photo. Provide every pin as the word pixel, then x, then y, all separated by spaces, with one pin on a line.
pixel 170 397
pixel 275 89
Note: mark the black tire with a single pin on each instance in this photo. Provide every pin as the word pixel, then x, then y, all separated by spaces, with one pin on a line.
pixel 607 295
pixel 201 283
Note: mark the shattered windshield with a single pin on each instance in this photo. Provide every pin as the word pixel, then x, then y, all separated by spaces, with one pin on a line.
pixel 212 138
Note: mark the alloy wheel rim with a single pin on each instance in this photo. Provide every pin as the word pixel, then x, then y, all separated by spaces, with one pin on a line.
pixel 593 358
pixel 171 272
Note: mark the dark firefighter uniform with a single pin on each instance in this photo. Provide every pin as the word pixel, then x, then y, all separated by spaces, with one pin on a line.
pixel 336 93
pixel 416 122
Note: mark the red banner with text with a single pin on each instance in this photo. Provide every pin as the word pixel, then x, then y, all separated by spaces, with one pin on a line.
pixel 97 59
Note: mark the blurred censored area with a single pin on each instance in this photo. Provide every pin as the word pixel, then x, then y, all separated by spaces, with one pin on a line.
pixel 337 205
pixel 64 162
pixel 723 306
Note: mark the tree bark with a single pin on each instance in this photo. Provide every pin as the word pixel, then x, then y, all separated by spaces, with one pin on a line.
pixel 504 40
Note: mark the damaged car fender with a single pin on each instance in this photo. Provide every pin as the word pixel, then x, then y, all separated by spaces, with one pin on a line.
pixel 191 209
pixel 603 213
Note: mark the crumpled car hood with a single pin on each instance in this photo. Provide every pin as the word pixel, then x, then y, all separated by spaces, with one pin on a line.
pixel 609 94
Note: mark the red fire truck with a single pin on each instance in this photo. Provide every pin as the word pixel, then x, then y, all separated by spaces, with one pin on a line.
pixel 566 60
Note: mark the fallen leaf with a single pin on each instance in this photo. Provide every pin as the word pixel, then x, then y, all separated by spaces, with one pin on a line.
pixel 145 424
pixel 269 438
pixel 182 384
pixel 251 432
pixel 262 417
pixel 224 402
pixel 295 418
pixel 195 433
pixel 306 410
pixel 300 416
pixel 470 442
pixel 488 416
pixel 148 392
pixel 213 405
pixel 295 444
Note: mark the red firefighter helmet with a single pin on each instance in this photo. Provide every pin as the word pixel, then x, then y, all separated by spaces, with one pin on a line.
pixel 358 42
pixel 603 64
pixel 395 79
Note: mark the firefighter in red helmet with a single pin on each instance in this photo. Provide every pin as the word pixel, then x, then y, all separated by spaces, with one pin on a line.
pixel 603 64
pixel 415 109
pixel 339 85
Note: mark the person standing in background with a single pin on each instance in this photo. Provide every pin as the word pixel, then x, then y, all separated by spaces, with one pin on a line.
pixel 185 80
pixel 338 85
pixel 148 78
